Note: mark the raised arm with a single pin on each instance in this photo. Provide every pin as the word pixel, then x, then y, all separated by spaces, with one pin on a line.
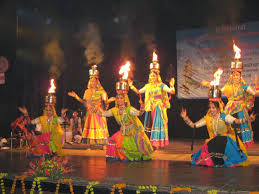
pixel 74 95
pixel 24 111
pixel 188 121
pixel 170 90
pixel 135 112
pixel 230 119
pixel 133 87
pixel 251 91
pixel 107 113
pixel 205 83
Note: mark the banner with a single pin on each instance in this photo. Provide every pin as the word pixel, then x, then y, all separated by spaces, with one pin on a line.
pixel 200 52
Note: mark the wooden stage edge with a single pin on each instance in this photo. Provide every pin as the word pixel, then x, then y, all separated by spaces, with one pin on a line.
pixel 170 167
pixel 177 150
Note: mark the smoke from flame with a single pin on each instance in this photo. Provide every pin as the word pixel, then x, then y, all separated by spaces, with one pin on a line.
pixel 93 44
pixel 54 56
pixel 237 51
pixel 52 86
pixel 125 70
pixel 217 75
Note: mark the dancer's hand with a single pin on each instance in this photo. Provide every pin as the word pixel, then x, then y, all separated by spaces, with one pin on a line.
pixel 256 81
pixel 23 110
pixel 63 111
pixel 130 82
pixel 183 113
pixel 252 117
pixel 90 106
pixel 205 83
pixel 72 94
pixel 111 99
pixel 142 108
pixel 172 82
pixel 99 112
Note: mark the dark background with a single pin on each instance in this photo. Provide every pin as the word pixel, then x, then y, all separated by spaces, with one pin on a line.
pixel 124 30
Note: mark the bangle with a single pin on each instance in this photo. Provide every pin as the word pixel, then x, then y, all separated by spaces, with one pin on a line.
pixel 185 118
pixel 131 87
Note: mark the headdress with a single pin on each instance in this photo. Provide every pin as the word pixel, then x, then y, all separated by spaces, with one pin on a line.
pixel 236 65
pixel 154 66
pixel 214 93
pixel 93 72
pixel 122 86
pixel 50 99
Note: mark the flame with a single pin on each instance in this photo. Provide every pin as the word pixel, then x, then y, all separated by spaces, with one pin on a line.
pixel 125 70
pixel 217 75
pixel 237 51
pixel 52 86
pixel 154 56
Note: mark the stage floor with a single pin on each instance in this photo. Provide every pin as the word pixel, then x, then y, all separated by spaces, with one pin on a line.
pixel 169 167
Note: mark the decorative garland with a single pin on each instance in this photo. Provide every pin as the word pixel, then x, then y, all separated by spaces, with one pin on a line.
pixel 2 175
pixel 69 181
pixel 150 187
pixel 89 187
pixel 188 189
pixel 119 187
pixel 37 181
pixel 214 191
pixel 22 177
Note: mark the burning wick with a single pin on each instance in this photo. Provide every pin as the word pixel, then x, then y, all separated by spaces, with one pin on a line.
pixel 52 86
pixel 125 70
pixel 237 51
pixel 154 56
pixel 217 75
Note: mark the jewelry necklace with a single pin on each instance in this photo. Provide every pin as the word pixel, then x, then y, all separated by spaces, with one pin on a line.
pixel 236 88
pixel 215 125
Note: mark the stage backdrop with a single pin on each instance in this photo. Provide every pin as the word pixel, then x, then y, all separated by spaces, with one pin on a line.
pixel 200 52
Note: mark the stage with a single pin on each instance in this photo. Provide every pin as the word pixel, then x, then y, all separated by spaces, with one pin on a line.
pixel 169 167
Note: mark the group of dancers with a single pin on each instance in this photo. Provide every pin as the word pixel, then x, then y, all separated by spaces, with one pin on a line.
pixel 229 126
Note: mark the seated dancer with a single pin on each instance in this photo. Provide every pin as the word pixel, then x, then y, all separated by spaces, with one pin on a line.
pixel 21 130
pixel 222 148
pixel 130 143
pixel 241 98
pixel 50 140
pixel 76 127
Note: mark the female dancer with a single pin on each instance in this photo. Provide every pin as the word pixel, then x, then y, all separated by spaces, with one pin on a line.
pixel 221 149
pixel 95 130
pixel 50 141
pixel 131 142
pixel 156 105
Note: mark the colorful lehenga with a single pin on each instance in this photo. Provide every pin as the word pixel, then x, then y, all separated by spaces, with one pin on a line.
pixel 239 103
pixel 221 148
pixel 156 105
pixel 130 143
pixel 51 139
pixel 95 127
